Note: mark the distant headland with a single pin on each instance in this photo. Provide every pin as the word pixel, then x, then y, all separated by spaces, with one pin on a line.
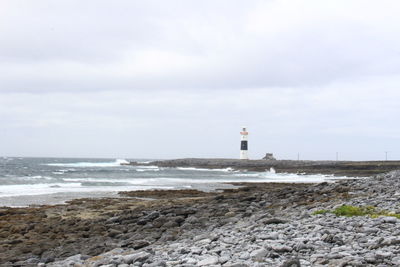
pixel 347 168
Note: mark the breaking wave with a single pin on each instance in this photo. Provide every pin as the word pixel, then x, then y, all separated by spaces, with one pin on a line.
pixel 115 163
pixel 206 170
pixel 149 168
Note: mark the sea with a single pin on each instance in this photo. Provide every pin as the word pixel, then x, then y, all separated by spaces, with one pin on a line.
pixel 41 181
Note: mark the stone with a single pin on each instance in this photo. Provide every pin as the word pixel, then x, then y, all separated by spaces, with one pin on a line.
pixel 259 254
pixel 230 240
pixel 132 258
pixel 159 221
pixel 224 258
pixel 244 255
pixel 369 230
pixel 370 258
pixel 170 224
pixel 140 244
pixel 113 232
pixel 390 219
pixel 196 250
pixel 230 214
pixel 212 260
pixel 115 219
pixel 383 254
pixel 271 236
pixel 219 197
pixel 274 221
pixel 236 265
pixel 155 264
pixel 396 261
pixel 281 248
pixel 191 261
pixel 153 215
pixel 291 263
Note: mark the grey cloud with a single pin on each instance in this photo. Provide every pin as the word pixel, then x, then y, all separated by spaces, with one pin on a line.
pixel 102 46
pixel 179 78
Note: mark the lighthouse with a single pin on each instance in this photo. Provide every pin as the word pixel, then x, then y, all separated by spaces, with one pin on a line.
pixel 243 144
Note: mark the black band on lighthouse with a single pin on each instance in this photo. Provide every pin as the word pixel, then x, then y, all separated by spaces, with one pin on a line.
pixel 243 145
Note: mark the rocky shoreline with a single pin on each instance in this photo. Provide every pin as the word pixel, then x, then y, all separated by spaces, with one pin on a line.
pixel 268 224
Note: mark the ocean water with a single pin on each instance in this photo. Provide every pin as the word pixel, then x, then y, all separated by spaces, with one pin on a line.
pixel 30 179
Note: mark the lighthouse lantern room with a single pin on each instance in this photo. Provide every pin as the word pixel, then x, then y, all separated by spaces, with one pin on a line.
pixel 243 143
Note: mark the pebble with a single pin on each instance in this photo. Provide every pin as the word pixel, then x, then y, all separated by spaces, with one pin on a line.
pixel 208 261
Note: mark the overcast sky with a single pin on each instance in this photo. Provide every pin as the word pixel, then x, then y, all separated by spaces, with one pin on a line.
pixel 169 79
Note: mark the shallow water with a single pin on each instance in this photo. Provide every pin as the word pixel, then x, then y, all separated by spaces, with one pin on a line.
pixel 65 178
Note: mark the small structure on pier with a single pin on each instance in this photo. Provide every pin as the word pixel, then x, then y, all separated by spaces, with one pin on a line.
pixel 269 156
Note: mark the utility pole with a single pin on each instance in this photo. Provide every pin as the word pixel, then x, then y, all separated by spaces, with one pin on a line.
pixel 386 154
pixel 337 156
pixel 298 156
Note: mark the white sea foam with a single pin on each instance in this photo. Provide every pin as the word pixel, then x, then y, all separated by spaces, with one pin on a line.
pixel 115 163
pixel 272 176
pixel 41 189
pixel 147 167
pixel 37 177
pixel 205 170
pixel 105 180
pixel 147 170
pixel 247 175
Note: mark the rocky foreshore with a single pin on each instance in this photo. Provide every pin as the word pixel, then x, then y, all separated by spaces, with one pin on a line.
pixel 255 225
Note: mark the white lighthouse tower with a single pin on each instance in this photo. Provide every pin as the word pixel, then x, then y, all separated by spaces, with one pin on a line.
pixel 243 144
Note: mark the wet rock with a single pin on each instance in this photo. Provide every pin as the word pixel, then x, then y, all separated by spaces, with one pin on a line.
pixel 291 263
pixel 230 214
pixel 274 221
pixel 159 221
pixel 153 215
pixel 115 219
pixel 114 232
pixel 219 197
pixel 170 224
pixel 140 244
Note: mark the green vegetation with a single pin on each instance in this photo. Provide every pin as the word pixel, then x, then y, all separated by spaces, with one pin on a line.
pixel 349 211
pixel 320 212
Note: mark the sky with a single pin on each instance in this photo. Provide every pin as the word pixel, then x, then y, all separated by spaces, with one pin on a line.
pixel 171 79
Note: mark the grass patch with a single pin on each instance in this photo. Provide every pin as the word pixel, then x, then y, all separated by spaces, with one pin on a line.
pixel 320 212
pixel 349 211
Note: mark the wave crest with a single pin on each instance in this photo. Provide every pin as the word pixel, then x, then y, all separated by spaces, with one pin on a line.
pixel 116 163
